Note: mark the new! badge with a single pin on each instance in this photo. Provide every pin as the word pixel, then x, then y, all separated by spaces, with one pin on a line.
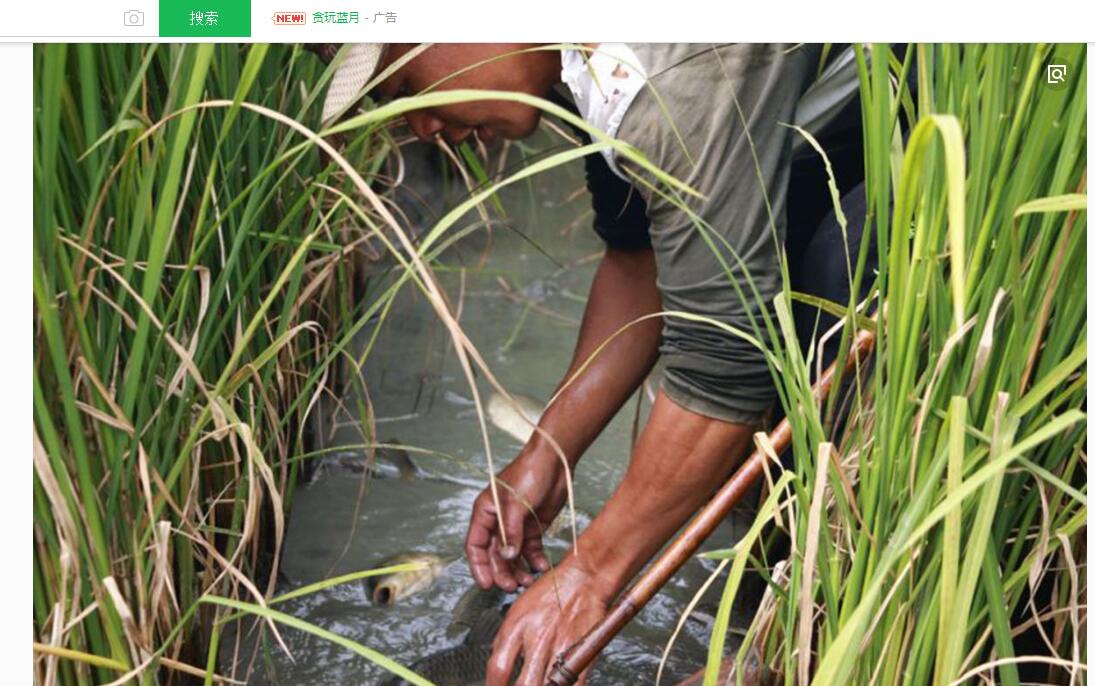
pixel 290 18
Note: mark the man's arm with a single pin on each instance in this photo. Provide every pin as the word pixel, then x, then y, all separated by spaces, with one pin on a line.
pixel 681 458
pixel 623 290
pixel 717 258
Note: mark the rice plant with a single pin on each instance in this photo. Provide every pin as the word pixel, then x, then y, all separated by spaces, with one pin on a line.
pixel 196 250
pixel 193 271
pixel 937 533
pixel 192 290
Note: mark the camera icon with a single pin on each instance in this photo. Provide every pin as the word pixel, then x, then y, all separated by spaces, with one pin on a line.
pixel 1056 73
pixel 133 18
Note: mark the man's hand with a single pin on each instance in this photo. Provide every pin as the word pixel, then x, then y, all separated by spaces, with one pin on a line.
pixel 538 488
pixel 680 459
pixel 547 619
pixel 623 290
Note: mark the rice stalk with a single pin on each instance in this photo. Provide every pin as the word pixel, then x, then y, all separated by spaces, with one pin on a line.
pixel 190 308
pixel 969 471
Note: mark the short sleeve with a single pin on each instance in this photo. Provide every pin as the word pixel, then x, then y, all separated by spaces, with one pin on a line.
pixel 718 261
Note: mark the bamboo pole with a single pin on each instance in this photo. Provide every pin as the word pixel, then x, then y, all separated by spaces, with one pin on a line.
pixel 573 661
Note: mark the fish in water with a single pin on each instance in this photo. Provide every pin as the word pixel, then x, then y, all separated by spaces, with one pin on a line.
pixel 472 606
pixel 389 461
pixel 389 589
pixel 482 613
pixel 506 417
pixel 393 454
pixel 466 664
pixel 462 665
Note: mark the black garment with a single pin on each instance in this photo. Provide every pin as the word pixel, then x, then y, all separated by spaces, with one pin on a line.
pixel 619 212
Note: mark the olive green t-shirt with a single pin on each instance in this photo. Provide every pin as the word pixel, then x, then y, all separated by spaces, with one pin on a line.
pixel 713 116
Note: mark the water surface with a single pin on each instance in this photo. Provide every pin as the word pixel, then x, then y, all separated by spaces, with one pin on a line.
pixel 520 307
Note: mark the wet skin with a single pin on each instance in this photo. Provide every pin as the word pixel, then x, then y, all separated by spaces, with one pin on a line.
pixel 679 460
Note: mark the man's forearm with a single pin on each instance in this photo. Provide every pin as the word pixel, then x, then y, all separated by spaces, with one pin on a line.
pixel 681 458
pixel 623 290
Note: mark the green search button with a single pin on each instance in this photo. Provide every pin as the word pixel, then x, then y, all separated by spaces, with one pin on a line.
pixel 205 18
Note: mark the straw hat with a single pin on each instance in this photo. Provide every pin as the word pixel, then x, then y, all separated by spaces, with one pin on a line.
pixel 357 65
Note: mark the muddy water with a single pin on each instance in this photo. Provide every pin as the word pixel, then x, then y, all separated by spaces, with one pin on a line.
pixel 520 307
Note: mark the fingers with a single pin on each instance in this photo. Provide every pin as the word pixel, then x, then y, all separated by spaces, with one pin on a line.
pixel 513 518
pixel 502 571
pixel 493 564
pixel 479 541
pixel 519 549
pixel 532 559
pixel 534 554
pixel 583 678
pixel 507 647
pixel 534 671
pixel 522 574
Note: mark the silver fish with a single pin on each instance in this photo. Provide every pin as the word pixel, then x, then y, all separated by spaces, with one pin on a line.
pixel 392 588
pixel 398 457
pixel 506 417
pixel 389 462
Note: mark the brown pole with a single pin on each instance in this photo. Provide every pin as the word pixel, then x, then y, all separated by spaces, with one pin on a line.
pixel 578 657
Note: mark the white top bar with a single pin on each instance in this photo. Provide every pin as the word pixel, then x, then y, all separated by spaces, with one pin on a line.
pixel 581 20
